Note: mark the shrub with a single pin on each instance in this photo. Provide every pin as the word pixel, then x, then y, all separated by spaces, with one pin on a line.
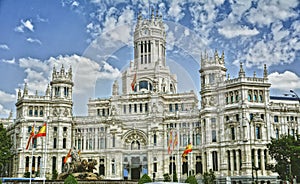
pixel 167 177
pixel 145 179
pixel 191 180
pixel 26 175
pixel 54 175
pixel 70 180
pixel 175 179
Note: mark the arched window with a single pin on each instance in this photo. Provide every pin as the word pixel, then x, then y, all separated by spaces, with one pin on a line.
pixel 64 143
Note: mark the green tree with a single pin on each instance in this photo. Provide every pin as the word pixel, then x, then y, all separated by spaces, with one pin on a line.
pixel 5 145
pixel 70 180
pixel 209 177
pixel 286 152
pixel 145 179
pixel 167 177
pixel 54 174
pixel 175 179
pixel 191 180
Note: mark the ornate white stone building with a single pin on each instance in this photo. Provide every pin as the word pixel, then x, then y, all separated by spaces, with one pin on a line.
pixel 128 133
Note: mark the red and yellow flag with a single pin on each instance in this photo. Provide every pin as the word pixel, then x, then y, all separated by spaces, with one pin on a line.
pixel 133 82
pixel 68 156
pixel 30 137
pixel 175 143
pixel 170 142
pixel 188 149
pixel 42 131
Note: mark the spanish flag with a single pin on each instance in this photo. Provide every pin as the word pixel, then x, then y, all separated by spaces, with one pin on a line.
pixel 175 143
pixel 42 131
pixel 30 137
pixel 170 143
pixel 133 82
pixel 188 149
pixel 68 156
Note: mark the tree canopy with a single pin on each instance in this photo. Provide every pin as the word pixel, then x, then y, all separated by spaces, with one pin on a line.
pixel 5 145
pixel 286 152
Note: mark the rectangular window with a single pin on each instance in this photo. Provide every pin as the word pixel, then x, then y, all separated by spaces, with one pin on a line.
pixel 213 136
pixel 146 107
pixel 258 132
pixel 232 133
pixel 276 119
pixel 154 167
pixel 141 107
pixel 135 108
pixel 113 141
pixel 124 109
pixel 130 108
pixel 176 107
pixel 56 91
pixel 170 107
pixel 101 167
pixel 66 91
pixel 215 161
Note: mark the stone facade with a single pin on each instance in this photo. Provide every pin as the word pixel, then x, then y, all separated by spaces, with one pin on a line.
pixel 129 133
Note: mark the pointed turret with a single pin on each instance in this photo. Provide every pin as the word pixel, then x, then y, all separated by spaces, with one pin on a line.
pixel 241 72
pixel 19 93
pixel 25 91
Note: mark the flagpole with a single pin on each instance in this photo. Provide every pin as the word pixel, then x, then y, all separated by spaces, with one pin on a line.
pixel 31 165
pixel 31 152
pixel 178 154
pixel 45 154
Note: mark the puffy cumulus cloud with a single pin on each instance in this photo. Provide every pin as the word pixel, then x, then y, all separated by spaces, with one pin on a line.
pixel 269 11
pixel 6 100
pixel 5 97
pixel 4 112
pixel 234 31
pixel 284 81
pixel 4 47
pixel 85 74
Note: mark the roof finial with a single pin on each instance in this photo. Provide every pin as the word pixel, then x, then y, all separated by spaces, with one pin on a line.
pixel 242 72
pixel 265 71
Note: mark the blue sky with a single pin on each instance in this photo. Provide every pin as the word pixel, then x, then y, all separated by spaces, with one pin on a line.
pixel 95 38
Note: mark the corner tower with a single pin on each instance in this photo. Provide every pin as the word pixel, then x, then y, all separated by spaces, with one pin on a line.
pixel 61 92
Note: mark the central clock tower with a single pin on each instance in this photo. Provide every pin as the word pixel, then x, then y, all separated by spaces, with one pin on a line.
pixel 149 42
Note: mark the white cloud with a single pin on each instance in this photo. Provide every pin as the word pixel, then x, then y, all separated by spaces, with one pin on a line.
pixel 6 101
pixel 25 24
pixel 175 11
pixel 32 40
pixel 4 47
pixel 38 74
pixel 3 111
pixel 267 12
pixel 5 97
pixel 284 81
pixel 75 3
pixel 234 31
pixel 11 61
